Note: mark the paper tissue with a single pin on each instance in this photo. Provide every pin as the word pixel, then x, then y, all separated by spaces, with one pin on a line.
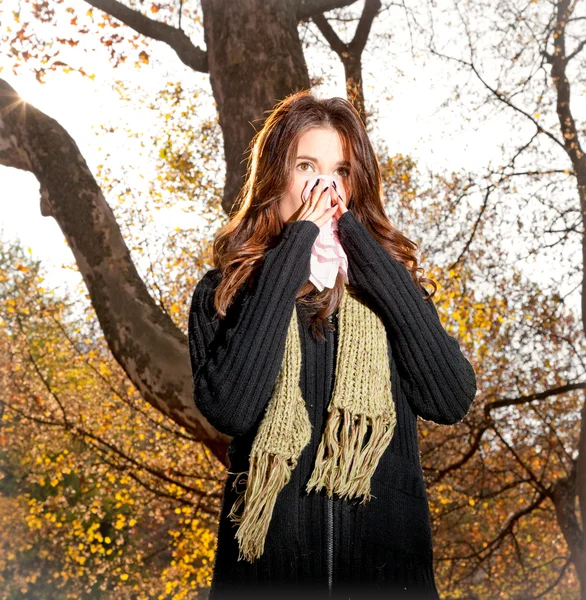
pixel 327 255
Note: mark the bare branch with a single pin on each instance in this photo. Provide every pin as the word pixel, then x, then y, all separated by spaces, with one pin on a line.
pixel 307 9
pixel 563 389
pixel 190 55
pixel 351 54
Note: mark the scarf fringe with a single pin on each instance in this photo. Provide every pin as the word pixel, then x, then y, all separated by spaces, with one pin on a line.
pixel 269 473
pixel 350 478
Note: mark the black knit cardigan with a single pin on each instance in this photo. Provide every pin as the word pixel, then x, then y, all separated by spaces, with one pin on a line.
pixel 319 547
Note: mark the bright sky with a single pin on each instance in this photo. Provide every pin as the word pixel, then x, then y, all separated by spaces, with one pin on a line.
pixel 413 121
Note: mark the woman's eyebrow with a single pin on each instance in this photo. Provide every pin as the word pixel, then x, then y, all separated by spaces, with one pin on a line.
pixel 340 162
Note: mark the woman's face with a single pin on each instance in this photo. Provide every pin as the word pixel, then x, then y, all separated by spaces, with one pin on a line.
pixel 319 152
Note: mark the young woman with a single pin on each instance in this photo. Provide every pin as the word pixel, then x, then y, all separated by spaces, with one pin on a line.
pixel 320 386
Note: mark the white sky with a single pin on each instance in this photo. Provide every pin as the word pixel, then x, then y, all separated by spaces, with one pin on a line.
pixel 413 121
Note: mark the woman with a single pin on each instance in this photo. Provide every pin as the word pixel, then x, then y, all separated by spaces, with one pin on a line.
pixel 320 386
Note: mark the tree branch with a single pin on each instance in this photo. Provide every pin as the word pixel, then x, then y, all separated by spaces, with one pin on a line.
pixel 307 9
pixel 563 389
pixel 144 340
pixel 190 55
pixel 351 54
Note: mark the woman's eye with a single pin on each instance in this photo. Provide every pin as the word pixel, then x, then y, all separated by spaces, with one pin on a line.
pixel 345 171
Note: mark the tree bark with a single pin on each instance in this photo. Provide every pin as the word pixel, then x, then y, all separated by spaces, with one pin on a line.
pixel 254 57
pixel 143 339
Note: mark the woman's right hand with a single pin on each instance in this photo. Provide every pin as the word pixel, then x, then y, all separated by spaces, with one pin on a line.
pixel 315 205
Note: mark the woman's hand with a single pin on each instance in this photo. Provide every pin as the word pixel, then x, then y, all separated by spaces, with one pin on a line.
pixel 315 205
pixel 342 208
pixel 314 208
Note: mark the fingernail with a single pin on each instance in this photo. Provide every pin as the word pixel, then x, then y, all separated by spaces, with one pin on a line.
pixel 335 186
pixel 327 186
pixel 317 181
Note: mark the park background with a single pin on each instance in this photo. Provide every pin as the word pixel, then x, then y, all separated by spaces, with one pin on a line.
pixel 123 137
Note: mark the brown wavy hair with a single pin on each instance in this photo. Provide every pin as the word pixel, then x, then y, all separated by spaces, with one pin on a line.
pixel 255 221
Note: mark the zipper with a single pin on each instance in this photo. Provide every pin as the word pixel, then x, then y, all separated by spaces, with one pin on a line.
pixel 330 501
pixel 330 545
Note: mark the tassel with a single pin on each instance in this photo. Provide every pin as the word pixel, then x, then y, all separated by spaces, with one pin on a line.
pixel 345 466
pixel 269 473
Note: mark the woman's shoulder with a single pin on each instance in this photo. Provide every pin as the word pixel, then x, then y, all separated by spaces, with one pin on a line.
pixel 202 295
pixel 209 281
pixel 204 292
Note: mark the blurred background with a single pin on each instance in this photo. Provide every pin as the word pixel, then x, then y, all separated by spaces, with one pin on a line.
pixel 124 129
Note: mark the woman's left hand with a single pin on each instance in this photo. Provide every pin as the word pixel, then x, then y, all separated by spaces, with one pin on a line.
pixel 342 208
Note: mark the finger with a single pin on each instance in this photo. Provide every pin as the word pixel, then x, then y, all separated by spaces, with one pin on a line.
pixel 319 200
pixel 326 216
pixel 313 195
pixel 321 194
pixel 324 194
pixel 309 201
pixel 338 195
pixel 308 193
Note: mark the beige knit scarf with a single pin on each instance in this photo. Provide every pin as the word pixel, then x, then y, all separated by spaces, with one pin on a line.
pixel 344 464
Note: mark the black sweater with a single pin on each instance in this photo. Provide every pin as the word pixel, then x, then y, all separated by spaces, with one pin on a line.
pixel 315 542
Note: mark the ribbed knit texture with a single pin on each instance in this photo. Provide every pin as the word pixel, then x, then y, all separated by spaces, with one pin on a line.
pixel 382 546
pixel 441 381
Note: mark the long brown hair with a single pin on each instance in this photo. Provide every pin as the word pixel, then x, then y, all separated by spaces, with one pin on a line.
pixel 255 221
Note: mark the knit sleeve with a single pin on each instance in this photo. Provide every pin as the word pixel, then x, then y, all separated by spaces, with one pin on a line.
pixel 439 381
pixel 235 360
